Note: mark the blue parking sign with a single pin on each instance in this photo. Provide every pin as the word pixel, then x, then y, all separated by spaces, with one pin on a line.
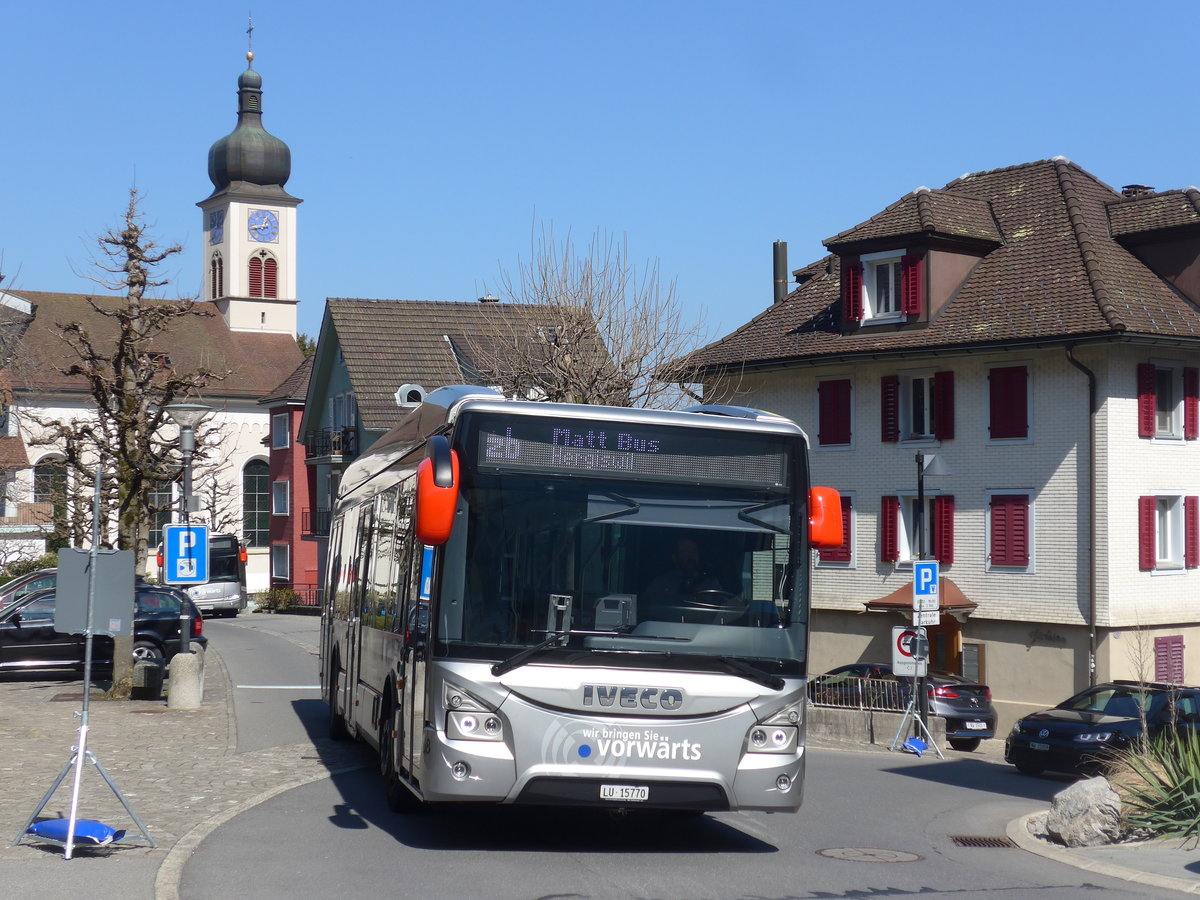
pixel 185 554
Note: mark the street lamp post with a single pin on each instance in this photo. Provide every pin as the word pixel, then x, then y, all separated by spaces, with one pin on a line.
pixel 187 416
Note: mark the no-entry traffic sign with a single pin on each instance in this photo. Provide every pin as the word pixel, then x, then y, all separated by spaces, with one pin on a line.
pixel 909 651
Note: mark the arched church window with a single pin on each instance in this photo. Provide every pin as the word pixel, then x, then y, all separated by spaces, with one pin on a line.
pixel 216 276
pixel 264 279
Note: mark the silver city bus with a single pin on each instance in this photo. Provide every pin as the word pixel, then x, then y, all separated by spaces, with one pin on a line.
pixel 553 604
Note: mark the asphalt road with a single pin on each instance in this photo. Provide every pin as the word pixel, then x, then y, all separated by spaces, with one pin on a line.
pixel 873 824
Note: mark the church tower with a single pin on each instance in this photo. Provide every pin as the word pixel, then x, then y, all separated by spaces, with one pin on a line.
pixel 250 222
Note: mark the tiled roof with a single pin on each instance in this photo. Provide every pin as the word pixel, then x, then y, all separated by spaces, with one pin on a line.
pixel 430 343
pixel 1058 274
pixel 1154 212
pixel 257 362
pixel 925 212
pixel 294 387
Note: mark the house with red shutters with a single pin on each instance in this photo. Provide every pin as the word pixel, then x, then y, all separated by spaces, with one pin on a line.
pixel 1002 374
pixel 293 563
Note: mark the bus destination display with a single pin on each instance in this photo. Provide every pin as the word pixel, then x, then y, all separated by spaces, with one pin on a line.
pixel 622 450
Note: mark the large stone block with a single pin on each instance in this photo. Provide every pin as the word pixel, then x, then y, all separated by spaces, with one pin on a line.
pixel 1087 814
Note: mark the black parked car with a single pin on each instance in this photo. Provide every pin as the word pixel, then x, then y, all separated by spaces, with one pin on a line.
pixel 966 706
pixel 29 643
pixel 1079 734
pixel 16 588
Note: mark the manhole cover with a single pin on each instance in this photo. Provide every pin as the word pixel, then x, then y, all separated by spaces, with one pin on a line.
pixel 868 854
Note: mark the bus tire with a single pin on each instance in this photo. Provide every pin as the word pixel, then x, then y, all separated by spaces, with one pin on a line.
pixel 337 725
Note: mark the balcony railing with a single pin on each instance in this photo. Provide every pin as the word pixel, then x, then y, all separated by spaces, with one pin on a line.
pixel 315 522
pixel 331 443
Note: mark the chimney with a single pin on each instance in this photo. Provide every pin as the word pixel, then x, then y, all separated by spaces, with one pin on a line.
pixel 488 298
pixel 781 272
pixel 1136 190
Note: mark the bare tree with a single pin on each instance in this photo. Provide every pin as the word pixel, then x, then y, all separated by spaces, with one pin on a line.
pixel 587 325
pixel 112 351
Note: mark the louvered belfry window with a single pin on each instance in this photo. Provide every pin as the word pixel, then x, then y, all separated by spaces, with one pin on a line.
pixel 264 278
pixel 216 277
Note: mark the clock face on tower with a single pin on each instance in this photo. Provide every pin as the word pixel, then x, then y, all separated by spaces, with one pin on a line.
pixel 263 226
pixel 216 226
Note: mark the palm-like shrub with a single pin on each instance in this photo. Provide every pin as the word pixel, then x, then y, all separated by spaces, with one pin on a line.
pixel 1159 784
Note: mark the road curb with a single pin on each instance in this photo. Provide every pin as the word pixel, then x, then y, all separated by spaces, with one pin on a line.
pixel 170 872
pixel 1018 833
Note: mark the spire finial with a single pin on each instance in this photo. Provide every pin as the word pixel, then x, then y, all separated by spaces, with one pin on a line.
pixel 250 38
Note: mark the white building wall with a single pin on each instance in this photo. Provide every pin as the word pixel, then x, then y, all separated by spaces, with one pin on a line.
pixel 243 427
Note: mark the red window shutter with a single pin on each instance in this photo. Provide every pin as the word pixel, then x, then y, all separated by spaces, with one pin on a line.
pixel 833 413
pixel 256 278
pixel 1147 555
pixel 1008 402
pixel 889 405
pixel 912 284
pixel 1191 403
pixel 943 405
pixel 1010 530
pixel 943 516
pixel 852 298
pixel 1168 659
pixel 1145 393
pixel 889 529
pixel 1191 532
pixel 270 281
pixel 842 553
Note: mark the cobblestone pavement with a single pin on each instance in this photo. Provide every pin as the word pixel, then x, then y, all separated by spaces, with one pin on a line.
pixel 177 769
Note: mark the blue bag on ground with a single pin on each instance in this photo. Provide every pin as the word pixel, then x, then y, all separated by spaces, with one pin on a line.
pixel 87 831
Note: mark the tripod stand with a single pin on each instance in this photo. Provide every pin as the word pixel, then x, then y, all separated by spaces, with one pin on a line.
pixel 911 715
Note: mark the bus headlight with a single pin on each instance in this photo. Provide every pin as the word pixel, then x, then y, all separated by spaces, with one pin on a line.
pixel 778 733
pixel 454 697
pixel 772 739
pixel 471 726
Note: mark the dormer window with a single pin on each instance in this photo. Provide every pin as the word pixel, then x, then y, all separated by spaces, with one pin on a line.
pixel 883 287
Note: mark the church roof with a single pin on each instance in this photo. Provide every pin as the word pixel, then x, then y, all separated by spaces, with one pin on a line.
pixel 257 362
pixel 250 160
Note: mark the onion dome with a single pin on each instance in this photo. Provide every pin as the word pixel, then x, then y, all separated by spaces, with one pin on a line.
pixel 249 156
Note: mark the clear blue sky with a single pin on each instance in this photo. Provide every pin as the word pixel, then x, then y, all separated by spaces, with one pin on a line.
pixel 426 138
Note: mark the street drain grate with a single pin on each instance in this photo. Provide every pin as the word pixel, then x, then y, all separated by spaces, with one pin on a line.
pixel 991 843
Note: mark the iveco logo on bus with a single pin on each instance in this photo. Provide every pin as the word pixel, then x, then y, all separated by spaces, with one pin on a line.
pixel 632 697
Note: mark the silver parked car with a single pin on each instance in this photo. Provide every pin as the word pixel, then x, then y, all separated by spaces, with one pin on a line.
pixel 966 706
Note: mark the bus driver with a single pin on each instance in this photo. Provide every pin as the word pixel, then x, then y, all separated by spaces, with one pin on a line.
pixel 669 592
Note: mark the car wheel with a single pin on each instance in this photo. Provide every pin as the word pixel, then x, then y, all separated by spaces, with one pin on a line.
pixel 1031 769
pixel 146 650
pixel 965 744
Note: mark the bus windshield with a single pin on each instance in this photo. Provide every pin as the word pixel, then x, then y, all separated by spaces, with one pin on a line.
pixel 648 565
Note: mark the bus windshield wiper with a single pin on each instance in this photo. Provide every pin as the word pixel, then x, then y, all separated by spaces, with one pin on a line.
pixel 520 657
pixel 754 673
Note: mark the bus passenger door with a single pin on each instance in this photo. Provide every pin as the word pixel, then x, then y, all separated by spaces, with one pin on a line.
pixel 415 655
pixel 360 575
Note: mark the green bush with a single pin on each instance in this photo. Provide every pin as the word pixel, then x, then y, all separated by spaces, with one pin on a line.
pixel 1159 782
pixel 276 600
pixel 25 566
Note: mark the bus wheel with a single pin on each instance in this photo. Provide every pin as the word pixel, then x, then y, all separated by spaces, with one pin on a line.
pixel 399 798
pixel 337 725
